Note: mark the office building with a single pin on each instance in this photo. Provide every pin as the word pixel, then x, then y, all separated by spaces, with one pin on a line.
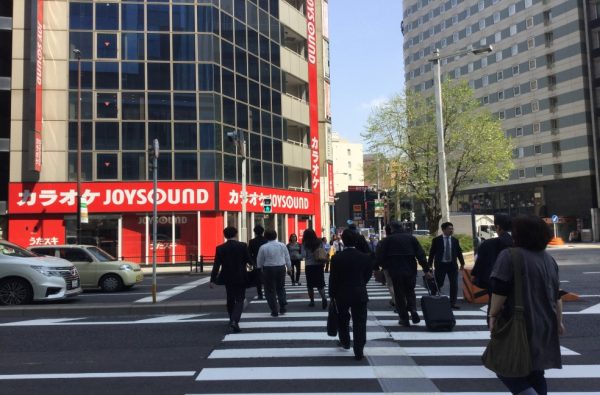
pixel 188 74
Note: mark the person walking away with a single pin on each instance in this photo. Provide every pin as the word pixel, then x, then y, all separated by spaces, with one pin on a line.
pixel 386 273
pixel 336 244
pixel 541 301
pixel 295 251
pixel 361 243
pixel 315 277
pixel 398 254
pixel 488 252
pixel 273 259
pixel 229 269
pixel 350 273
pixel 254 246
pixel 327 248
pixel 445 251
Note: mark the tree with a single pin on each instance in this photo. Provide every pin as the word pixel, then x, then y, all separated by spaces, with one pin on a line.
pixel 403 131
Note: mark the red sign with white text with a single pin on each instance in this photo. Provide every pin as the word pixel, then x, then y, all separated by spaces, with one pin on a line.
pixel 110 197
pixel 331 191
pixel 39 59
pixel 282 200
pixel 315 162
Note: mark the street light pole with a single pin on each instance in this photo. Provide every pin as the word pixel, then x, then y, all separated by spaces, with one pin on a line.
pixel 439 117
pixel 78 202
pixel 240 146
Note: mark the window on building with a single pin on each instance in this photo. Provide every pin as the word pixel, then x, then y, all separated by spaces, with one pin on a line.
pixel 550 60
pixel 528 3
pixel 468 30
pixel 498 56
pixel 521 173
pixel 481 5
pixel 536 127
pixel 515 70
pixel 501 115
pixel 518 132
pixel 549 38
pixel 558 168
pixel 553 104
pixel 484 61
pixel 496 17
pixel 556 148
pixel 512 9
pixel 500 76
pixel 484 80
pixel 500 95
pixel 349 152
pixel 516 90
pixel 497 37
pixel 514 50
pixel 513 30
pixel 547 17
pixel 518 112
pixel 455 37
pixel 554 125
pixel 533 85
pixel 537 149
pixel 530 42
pixel 539 171
pixel 529 22
pixel 349 165
pixel 551 82
pixel 481 24
pixel 470 67
pixel 532 64
pixel 483 42
pixel 535 106
pixel 485 100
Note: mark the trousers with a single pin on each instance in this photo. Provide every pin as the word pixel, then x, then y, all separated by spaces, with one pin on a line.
pixel 404 293
pixel 450 269
pixel 274 282
pixel 235 301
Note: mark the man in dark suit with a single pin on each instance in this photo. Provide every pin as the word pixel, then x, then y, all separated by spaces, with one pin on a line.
pixel 398 253
pixel 350 272
pixel 445 251
pixel 229 269
pixel 253 247
pixel 489 250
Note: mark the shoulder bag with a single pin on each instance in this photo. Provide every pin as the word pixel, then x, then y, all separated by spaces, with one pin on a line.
pixel 508 354
pixel 332 319
pixel 320 255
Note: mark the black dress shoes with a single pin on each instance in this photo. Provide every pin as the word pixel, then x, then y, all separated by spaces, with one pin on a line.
pixel 404 323
pixel 455 307
pixel 359 357
pixel 345 346
pixel 235 327
pixel 414 317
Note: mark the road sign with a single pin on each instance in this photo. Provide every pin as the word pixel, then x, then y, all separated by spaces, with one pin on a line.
pixel 267 208
pixel 356 207
pixel 555 219
pixel 379 210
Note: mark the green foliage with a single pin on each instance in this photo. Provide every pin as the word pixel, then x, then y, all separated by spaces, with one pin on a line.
pixel 465 241
pixel 403 131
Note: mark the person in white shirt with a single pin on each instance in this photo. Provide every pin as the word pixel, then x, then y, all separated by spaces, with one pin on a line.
pixel 273 259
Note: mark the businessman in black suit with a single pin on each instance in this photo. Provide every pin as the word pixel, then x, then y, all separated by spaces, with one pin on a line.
pixel 445 251
pixel 350 272
pixel 229 269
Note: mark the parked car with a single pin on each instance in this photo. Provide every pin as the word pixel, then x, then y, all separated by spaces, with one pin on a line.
pixel 26 276
pixel 96 267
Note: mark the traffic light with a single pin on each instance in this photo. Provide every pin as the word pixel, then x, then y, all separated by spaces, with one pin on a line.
pixel 267 208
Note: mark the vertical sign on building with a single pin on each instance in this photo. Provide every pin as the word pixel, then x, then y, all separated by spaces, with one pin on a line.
pixel 39 57
pixel 331 191
pixel 313 112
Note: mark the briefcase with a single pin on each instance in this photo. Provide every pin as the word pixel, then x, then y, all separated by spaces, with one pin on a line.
pixel 437 310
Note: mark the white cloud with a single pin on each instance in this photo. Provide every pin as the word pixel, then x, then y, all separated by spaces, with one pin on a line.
pixel 376 102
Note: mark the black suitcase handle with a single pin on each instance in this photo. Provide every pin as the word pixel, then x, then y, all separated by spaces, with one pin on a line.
pixel 426 281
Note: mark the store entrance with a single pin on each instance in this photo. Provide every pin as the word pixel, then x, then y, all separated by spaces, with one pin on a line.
pixel 100 231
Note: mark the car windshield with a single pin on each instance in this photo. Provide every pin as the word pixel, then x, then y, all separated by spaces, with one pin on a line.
pixel 10 249
pixel 100 255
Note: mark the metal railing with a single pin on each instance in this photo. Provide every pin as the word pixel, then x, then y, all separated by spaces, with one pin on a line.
pixel 196 262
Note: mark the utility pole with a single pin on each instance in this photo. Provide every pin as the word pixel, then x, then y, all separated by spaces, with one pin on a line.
pixel 154 151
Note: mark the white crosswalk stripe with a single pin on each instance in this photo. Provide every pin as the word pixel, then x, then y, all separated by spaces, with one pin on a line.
pixel 295 347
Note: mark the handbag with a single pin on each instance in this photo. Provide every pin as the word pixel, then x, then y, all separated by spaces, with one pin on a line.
pixel 252 276
pixel 320 255
pixel 507 353
pixel 332 319
pixel 379 276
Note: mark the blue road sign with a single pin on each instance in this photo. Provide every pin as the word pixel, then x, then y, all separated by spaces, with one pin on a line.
pixel 555 219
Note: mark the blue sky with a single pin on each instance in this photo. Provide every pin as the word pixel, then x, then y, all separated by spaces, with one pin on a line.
pixel 365 59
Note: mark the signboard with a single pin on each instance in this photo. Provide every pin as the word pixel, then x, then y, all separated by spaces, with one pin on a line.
pixel 555 219
pixel 357 188
pixel 379 208
pixel 39 60
pixel 357 208
pixel 282 200
pixel 331 188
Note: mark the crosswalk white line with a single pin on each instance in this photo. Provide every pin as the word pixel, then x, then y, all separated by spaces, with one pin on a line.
pixel 169 293
pixel 403 393
pixel 427 336
pixel 321 323
pixel 318 299
pixel 311 352
pixel 378 313
pixel 377 372
pixel 277 336
pixel 99 375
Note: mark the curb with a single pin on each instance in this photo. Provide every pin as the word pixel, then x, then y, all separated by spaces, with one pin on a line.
pixel 63 310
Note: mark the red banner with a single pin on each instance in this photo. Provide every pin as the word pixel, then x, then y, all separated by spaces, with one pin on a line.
pixel 331 184
pixel 39 60
pixel 314 112
pixel 282 200
pixel 110 197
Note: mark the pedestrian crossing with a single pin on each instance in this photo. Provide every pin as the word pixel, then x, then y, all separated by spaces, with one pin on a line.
pixel 293 354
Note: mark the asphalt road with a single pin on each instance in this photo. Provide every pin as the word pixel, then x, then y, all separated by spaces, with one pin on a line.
pixel 196 354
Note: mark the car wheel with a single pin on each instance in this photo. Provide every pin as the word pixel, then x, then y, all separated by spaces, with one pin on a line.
pixel 111 283
pixel 15 291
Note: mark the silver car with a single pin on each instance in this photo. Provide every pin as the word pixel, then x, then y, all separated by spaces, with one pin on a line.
pixel 26 276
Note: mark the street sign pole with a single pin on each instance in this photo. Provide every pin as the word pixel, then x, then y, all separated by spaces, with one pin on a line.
pixel 154 153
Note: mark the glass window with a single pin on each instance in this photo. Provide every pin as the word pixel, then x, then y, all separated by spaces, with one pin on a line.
pixel 275 30
pixel 266 123
pixel 207 19
pixel 106 46
pixel 83 42
pixel 133 166
pixel 265 98
pixel 186 166
pixel 87 105
pixel 240 61
pixel 229 167
pixel 86 166
pixel 252 16
pixel 240 10
pixel 184 106
pixel 80 16
pixel 267 174
pixel 107 16
pixel 277 128
pixel 252 41
pixel 241 91
pixel 276 102
pixel 159 76
pixel 184 76
pixel 133 136
pixel 254 93
pixel 254 114
pixel 240 34
pixel 263 23
pixel 162 132
pixel 207 136
pixel 275 78
pixel 265 73
pixel 205 77
pixel 208 48
pixel 208 166
pixel 227 5
pixel 278 176
pixel 183 18
pixel 133 106
pixel 132 17
pixel 228 82
pixel 265 48
pixel 227 55
pixel 277 151
pixel 107 136
pixel 158 18
pixel 226 27
pixel 159 47
pixel 255 172
pixel 107 166
pixel 253 67
pixel 228 111
pixel 185 136
pixel 164 166
pixel 254 146
pixel 275 53
pixel 209 106
pixel 242 116
pixel 132 46
pixel 132 75
pixel 106 105
pixel 184 47
pixel 86 135
pixel 159 105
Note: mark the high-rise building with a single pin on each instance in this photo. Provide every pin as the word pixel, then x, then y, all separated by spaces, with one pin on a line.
pixel 540 81
pixel 347 163
pixel 188 74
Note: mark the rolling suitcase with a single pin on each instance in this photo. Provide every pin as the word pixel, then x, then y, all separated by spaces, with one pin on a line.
pixel 436 308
